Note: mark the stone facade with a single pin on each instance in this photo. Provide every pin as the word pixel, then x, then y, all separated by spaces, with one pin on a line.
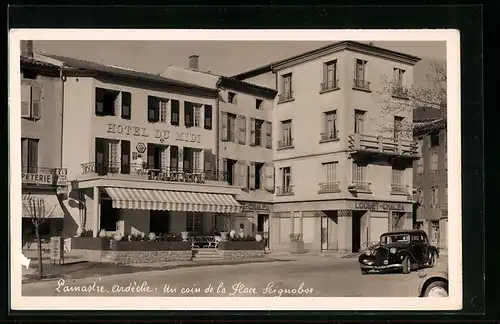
pixel 241 254
pixel 127 257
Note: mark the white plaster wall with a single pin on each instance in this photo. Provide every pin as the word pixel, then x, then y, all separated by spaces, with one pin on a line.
pixel 379 224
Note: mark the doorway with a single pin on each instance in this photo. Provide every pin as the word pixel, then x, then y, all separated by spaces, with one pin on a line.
pixel 263 227
pixel 360 230
pixel 329 231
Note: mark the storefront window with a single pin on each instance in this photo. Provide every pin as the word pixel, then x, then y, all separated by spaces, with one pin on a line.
pixel 194 222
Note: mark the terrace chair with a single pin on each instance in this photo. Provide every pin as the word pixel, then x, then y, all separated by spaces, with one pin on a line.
pixel 217 240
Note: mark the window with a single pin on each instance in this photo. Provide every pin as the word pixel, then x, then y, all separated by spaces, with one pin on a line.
pixel 174 157
pixel 360 70
pixel 174 117
pixel 329 75
pixel 163 112
pixel 269 134
pixel 159 221
pixel 359 117
pixel 434 231
pixel 330 171
pixel 231 97
pixel 194 222
pixel 259 104
pixel 398 77
pixel 258 131
pixel 258 175
pixel 358 174
pixel 434 139
pixel 397 176
pixel 108 222
pixel 434 161
pixel 286 87
pixel 153 109
pixel 223 222
pixel 29 155
pixel 106 101
pixel 208 117
pixel 126 105
pixel 30 101
pixel 330 126
pixel 287 130
pixel 435 197
pixel 398 126
pixel 188 114
pixel 197 116
pixel 231 127
pixel 287 178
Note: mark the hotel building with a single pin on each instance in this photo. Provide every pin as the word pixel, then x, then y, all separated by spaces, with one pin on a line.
pixel 243 145
pixel 42 175
pixel 342 178
pixel 431 175
pixel 140 150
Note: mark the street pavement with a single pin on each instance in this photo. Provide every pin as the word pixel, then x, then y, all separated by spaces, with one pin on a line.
pixel 305 276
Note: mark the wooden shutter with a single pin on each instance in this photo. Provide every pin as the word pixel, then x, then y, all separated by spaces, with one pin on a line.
pixel 126 105
pixel 207 160
pixel 188 114
pixel 208 117
pixel 33 154
pixel 243 174
pixel 125 156
pixel 223 126
pixel 269 177
pixel 99 101
pixel 252 131
pixel 236 175
pixel 269 135
pixel 242 130
pixel 251 179
pixel 151 156
pixel 25 100
pixel 224 167
pixel 36 102
pixel 118 105
pixel 174 118
pixel 24 153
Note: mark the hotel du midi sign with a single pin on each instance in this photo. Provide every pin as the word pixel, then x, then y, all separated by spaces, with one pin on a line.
pixel 160 134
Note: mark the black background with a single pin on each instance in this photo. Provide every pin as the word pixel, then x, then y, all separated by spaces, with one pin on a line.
pixel 467 19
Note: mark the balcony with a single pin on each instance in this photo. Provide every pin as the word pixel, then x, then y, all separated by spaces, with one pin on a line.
pixel 284 190
pixel 329 86
pixel 368 145
pixel 43 177
pixel 286 143
pixel 329 187
pixel 329 136
pixel 360 186
pixel 399 92
pixel 285 97
pixel 399 189
pixel 359 84
pixel 168 174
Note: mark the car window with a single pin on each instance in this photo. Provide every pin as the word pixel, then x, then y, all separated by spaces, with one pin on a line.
pixel 416 238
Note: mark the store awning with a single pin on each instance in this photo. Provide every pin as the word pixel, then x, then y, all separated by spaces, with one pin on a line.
pixel 51 205
pixel 127 198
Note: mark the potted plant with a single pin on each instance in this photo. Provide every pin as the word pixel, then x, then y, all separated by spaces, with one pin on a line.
pixel 184 236
pixel 258 237
pixel 103 233
pixel 296 243
pixel 223 236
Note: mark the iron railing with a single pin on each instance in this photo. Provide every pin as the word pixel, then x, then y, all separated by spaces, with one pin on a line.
pixel 329 85
pixel 399 188
pixel 384 145
pixel 329 187
pixel 285 96
pixel 360 186
pixel 154 173
pixel 284 190
pixel 329 135
pixel 286 142
pixel 361 84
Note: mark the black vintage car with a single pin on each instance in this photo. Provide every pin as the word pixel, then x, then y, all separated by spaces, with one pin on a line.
pixel 406 250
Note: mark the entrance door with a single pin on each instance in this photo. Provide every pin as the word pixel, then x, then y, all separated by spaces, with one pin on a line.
pixel 329 231
pixel 356 230
pixel 263 227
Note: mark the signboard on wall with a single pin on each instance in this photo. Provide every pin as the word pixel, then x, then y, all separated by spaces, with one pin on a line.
pixel 160 134
pixel 378 206
pixel 254 206
pixel 37 178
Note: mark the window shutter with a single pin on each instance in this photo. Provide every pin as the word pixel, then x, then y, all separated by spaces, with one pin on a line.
pixel 24 153
pixel 252 131
pixel 36 102
pixel 151 156
pixel 224 166
pixel 269 134
pixel 188 114
pixel 243 175
pixel 163 158
pixel 208 117
pixel 25 100
pixel 174 107
pixel 251 180
pixel 126 105
pixel 223 127
pixel 207 160
pixel 113 153
pixel 125 158
pixel 236 175
pixel 242 134
pixel 33 154
pixel 269 177
pixel 99 102
pixel 118 105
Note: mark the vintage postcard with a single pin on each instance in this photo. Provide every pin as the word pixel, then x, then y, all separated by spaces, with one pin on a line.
pixel 235 169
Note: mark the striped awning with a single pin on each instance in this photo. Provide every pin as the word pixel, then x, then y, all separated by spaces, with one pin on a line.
pixel 126 198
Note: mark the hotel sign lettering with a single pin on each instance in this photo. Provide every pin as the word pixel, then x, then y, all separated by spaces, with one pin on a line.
pixel 378 206
pixel 160 134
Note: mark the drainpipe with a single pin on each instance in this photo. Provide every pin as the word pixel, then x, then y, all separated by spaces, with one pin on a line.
pixel 63 79
pixel 217 124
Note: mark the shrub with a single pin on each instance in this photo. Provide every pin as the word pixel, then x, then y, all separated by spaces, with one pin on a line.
pixel 87 233
pixel 160 237
pixel 248 238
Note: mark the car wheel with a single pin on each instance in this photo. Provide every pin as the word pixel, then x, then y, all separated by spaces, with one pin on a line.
pixel 436 289
pixel 406 265
pixel 433 260
pixel 363 272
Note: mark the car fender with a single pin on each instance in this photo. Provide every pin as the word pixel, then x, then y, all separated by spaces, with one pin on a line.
pixel 407 253
pixel 428 279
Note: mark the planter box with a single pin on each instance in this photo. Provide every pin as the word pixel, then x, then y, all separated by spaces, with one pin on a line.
pixel 242 245
pixel 297 247
pixel 90 243
pixel 150 246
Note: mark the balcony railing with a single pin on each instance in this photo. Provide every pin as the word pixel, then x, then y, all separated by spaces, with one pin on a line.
pixel 329 85
pixel 399 189
pixel 329 136
pixel 361 84
pixel 42 176
pixel 329 187
pixel 285 96
pixel 383 145
pixel 153 173
pixel 284 190
pixel 285 143
pixel 360 186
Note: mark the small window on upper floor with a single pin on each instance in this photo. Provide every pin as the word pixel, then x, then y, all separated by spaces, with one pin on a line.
pixel 106 102
pixel 434 137
pixel 259 104
pixel 31 95
pixel 231 97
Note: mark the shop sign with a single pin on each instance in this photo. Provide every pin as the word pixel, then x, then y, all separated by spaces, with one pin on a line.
pixel 62 177
pixel 250 206
pixel 56 249
pixel 37 178
pixel 378 206
pixel 160 134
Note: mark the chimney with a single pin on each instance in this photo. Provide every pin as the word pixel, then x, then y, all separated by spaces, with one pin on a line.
pixel 193 62
pixel 27 48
